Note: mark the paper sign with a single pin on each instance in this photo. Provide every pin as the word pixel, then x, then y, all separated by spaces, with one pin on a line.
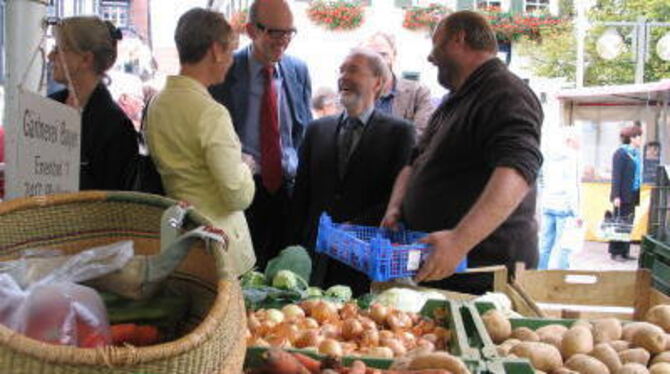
pixel 413 260
pixel 44 148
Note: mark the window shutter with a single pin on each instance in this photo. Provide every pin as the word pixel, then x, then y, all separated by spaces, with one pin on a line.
pixel 517 6
pixel 465 4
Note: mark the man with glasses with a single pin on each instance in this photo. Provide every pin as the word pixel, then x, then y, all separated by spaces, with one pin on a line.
pixel 268 95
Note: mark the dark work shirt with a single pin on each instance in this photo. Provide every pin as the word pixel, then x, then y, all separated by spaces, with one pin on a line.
pixel 492 121
pixel 108 141
pixel 385 103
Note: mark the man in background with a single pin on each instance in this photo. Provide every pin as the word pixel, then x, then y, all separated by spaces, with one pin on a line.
pixel 268 95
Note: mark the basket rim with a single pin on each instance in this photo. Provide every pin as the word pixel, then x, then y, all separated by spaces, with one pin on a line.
pixel 111 356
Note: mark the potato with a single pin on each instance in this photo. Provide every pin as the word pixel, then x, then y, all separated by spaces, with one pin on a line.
pixel 651 338
pixel 542 356
pixel 497 325
pixel 583 323
pixel 439 360
pixel 660 368
pixel 667 342
pixel 660 316
pixel 619 345
pixel 608 356
pixel 633 368
pixel 564 370
pixel 630 329
pixel 586 365
pixel 637 355
pixel 606 330
pixel 576 340
pixel 661 357
pixel 554 329
pixel 504 348
pixel 525 334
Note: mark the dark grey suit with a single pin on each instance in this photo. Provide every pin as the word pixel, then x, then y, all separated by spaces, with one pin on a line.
pixel 360 196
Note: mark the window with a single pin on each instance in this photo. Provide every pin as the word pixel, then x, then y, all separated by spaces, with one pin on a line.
pixel 488 4
pixel 536 5
pixel 115 13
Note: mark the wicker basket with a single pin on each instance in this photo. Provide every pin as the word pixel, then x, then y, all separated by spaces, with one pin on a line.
pixel 214 330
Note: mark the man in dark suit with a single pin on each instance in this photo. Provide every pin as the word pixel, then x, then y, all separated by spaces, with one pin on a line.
pixel 348 163
pixel 268 95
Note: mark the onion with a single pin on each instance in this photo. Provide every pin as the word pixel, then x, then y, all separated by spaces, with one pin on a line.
pixel 274 315
pixel 378 312
pixel 309 338
pixel 325 312
pixel 351 329
pixel 381 352
pixel 442 333
pixel 407 339
pixel 370 338
pixel 309 305
pixel 367 323
pixel 349 310
pixel 397 347
pixel 430 337
pixel 398 320
pixel 425 345
pixel 348 348
pixel 258 342
pixel 330 347
pixel 424 326
pixel 253 323
pixel 309 323
pixel 293 311
pixel 278 341
pixel 288 330
pixel 329 330
pixel 386 334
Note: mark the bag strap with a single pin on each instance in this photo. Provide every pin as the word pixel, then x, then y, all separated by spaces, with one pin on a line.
pixel 143 144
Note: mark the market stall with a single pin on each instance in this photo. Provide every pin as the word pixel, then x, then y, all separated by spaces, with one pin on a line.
pixel 601 112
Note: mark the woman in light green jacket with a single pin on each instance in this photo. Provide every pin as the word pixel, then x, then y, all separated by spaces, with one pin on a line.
pixel 191 136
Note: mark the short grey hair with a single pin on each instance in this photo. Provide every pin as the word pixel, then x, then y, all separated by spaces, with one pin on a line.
pixel 196 30
pixel 375 63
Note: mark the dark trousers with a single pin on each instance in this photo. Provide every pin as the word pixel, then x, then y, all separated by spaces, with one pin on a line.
pixel 472 283
pixel 626 210
pixel 268 220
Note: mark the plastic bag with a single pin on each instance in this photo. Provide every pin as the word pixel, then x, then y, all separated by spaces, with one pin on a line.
pixel 39 296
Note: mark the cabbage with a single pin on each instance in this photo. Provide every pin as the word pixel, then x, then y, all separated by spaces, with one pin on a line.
pixel 288 280
pixel 314 292
pixel 406 299
pixel 253 279
pixel 339 293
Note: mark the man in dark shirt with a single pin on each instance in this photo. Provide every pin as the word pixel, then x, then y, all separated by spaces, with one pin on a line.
pixel 470 182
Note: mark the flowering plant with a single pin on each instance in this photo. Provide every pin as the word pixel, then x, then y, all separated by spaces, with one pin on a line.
pixel 337 14
pixel 509 26
pixel 418 17
pixel 238 21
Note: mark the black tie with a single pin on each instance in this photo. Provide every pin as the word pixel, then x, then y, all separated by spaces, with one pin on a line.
pixel 349 128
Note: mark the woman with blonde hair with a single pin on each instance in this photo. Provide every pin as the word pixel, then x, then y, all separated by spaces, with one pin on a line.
pixel 85 49
pixel 191 136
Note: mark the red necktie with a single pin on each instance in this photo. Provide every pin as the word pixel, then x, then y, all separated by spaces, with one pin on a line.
pixel 271 170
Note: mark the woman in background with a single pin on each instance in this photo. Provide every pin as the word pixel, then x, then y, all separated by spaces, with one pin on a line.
pixel 191 136
pixel 85 49
pixel 626 182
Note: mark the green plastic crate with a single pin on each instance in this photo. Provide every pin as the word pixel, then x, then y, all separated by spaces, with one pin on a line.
pixel 655 255
pixel 510 366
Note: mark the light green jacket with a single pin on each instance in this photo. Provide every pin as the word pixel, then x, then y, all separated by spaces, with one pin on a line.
pixel 199 157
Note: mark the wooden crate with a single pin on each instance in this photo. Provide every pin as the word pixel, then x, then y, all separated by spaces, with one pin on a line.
pixel 589 294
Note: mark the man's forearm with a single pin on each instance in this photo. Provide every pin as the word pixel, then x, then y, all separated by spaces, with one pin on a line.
pixel 502 195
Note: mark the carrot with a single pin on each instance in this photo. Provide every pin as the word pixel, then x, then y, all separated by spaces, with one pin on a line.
pixel 282 362
pixel 314 366
pixel 130 333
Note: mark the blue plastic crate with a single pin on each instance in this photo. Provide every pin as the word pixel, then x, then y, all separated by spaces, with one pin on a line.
pixel 380 253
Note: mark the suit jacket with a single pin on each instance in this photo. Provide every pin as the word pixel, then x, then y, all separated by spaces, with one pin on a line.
pixel 362 194
pixel 413 103
pixel 623 176
pixel 233 93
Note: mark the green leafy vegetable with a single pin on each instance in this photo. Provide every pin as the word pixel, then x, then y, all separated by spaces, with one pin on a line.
pixel 295 259
pixel 288 280
pixel 339 293
pixel 253 279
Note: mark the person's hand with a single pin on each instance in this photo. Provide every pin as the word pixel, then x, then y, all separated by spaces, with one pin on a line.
pixel 391 219
pixel 250 162
pixel 442 262
pixel 617 202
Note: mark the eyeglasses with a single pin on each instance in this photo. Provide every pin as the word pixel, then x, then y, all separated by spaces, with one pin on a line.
pixel 277 33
